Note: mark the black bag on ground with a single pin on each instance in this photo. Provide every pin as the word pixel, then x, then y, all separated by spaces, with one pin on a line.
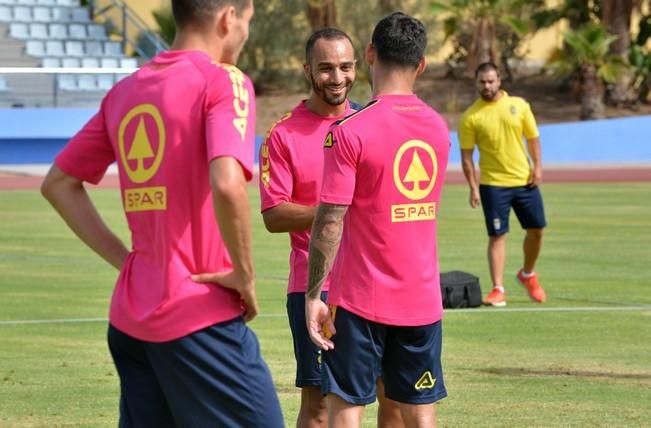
pixel 460 290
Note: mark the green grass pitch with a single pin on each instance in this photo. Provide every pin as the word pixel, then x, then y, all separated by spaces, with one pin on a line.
pixel 581 359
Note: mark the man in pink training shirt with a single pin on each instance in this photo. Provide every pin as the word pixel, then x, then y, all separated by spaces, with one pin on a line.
pixel 181 130
pixel 291 168
pixel 382 179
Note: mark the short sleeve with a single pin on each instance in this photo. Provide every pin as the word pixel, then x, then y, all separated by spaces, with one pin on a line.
pixel 466 134
pixel 530 129
pixel 230 117
pixel 341 158
pixel 276 177
pixel 89 153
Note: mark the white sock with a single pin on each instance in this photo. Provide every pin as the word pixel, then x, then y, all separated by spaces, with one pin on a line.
pixel 528 274
pixel 499 287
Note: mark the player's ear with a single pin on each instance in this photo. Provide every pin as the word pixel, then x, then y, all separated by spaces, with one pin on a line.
pixel 226 19
pixel 422 65
pixel 369 54
pixel 307 71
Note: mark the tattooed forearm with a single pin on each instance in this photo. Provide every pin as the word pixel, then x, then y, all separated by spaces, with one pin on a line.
pixel 316 272
pixel 324 243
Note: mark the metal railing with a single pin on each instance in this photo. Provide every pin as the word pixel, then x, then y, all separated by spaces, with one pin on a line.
pixel 57 87
pixel 121 21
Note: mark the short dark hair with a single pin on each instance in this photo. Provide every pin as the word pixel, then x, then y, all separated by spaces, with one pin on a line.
pixel 400 40
pixel 487 66
pixel 328 33
pixel 200 12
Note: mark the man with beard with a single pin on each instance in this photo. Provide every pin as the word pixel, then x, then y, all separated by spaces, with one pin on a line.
pixel 291 165
pixel 182 132
pixel 376 227
pixel 496 124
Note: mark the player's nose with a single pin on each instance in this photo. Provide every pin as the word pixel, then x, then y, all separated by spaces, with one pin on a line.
pixel 337 77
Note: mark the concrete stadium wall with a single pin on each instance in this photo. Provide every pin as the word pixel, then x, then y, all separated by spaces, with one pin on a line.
pixel 35 136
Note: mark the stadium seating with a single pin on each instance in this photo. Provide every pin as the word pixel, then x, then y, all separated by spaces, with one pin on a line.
pixel 61 34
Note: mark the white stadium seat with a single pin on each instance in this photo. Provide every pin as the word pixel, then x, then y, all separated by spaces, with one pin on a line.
pixel 35 48
pixel 109 63
pixel 19 31
pixel 90 62
pixel 70 63
pixel 54 48
pixel 23 14
pixel 6 14
pixel 38 31
pixel 61 14
pixel 80 14
pixel 112 49
pixel 94 48
pixel 67 82
pixel 74 48
pixel 58 31
pixel 42 14
pixel 77 31
pixel 104 81
pixel 128 63
pixel 87 82
pixel 96 31
pixel 51 62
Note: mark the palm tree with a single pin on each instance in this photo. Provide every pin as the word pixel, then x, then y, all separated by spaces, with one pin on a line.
pixel 616 16
pixel 484 30
pixel 587 54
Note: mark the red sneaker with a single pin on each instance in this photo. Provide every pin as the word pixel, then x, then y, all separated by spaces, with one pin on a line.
pixel 536 292
pixel 495 298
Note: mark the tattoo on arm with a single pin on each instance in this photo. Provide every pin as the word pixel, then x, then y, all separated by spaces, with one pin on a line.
pixel 324 243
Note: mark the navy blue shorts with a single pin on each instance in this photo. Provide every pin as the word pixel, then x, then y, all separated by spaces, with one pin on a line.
pixel 214 377
pixel 407 358
pixel 497 201
pixel 308 367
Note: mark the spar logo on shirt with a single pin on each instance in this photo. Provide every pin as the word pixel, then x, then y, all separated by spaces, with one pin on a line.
pixel 141 142
pixel 414 174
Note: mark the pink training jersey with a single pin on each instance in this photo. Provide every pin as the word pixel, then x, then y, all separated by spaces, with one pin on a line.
pixel 163 125
pixel 387 164
pixel 291 169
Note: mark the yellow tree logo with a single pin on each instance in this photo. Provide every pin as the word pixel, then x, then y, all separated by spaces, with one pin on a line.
pixel 420 182
pixel 141 149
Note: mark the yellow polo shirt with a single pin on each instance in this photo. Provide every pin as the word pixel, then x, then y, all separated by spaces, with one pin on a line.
pixel 497 128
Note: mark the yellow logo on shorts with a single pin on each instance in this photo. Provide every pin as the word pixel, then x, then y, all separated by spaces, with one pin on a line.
pixel 426 381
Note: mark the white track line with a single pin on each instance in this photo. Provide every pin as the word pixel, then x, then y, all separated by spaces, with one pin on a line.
pixel 447 312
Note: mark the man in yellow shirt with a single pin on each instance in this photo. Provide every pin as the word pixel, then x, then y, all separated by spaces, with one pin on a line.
pixel 496 123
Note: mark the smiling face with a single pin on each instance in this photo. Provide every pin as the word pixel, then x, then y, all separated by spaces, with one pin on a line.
pixel 488 85
pixel 331 70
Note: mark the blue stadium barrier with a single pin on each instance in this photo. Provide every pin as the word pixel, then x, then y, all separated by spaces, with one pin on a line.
pixel 35 136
